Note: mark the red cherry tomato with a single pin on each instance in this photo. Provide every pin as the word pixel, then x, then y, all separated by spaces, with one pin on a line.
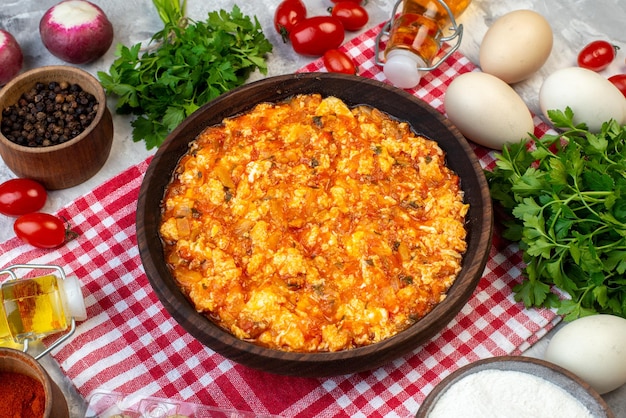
pixel 597 55
pixel 287 15
pixel 619 81
pixel 353 17
pixel 316 35
pixel 337 61
pixel 41 230
pixel 21 196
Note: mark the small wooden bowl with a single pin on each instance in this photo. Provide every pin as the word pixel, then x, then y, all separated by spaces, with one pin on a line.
pixel 72 162
pixel 353 91
pixel 15 361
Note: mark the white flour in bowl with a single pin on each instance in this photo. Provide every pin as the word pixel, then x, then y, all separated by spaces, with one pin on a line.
pixel 510 394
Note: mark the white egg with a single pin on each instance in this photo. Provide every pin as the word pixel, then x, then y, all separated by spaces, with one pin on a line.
pixel 594 348
pixel 516 46
pixel 487 110
pixel 593 99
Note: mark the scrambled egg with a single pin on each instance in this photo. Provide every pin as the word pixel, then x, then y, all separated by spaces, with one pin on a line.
pixel 309 226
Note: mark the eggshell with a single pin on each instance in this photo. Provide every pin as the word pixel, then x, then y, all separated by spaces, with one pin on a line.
pixel 487 110
pixel 593 99
pixel 594 348
pixel 516 46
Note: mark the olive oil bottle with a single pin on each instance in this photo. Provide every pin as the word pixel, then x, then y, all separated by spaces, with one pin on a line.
pixel 34 308
pixel 416 37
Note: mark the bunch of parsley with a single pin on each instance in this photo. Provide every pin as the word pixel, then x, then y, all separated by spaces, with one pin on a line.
pixel 566 197
pixel 190 64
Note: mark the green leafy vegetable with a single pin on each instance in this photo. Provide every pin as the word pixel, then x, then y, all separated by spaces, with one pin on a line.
pixel 566 197
pixel 192 63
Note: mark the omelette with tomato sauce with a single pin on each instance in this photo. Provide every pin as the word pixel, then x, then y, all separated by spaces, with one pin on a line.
pixel 310 226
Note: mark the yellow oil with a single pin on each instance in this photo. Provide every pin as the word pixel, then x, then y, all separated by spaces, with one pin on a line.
pixel 6 339
pixel 33 309
pixel 419 27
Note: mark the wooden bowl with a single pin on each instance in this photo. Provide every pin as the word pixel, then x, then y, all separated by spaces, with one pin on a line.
pixel 15 361
pixel 556 375
pixel 353 91
pixel 72 162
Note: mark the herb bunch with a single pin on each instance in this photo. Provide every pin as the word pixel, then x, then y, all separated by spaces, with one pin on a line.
pixel 191 63
pixel 566 197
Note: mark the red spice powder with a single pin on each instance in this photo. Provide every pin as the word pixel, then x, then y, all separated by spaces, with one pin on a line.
pixel 21 395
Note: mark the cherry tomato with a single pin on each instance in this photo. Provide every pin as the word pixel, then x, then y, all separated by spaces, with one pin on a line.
pixel 597 55
pixel 352 16
pixel 21 196
pixel 337 61
pixel 316 35
pixel 42 230
pixel 287 15
pixel 619 81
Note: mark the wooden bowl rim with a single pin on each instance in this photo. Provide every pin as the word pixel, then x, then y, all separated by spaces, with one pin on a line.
pixel 403 338
pixel 27 79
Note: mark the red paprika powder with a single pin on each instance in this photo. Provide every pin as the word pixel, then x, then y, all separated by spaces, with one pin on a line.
pixel 21 395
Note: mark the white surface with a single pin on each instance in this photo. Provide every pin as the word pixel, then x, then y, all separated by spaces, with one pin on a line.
pixel 574 22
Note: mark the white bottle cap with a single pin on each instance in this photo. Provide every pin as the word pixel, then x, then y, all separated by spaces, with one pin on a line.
pixel 401 68
pixel 73 298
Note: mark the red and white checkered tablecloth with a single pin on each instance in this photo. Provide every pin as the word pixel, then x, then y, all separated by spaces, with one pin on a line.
pixel 129 342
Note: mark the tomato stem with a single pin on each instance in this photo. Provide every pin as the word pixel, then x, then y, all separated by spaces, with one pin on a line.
pixel 70 234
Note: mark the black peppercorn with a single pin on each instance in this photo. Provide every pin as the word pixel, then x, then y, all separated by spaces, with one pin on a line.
pixel 49 114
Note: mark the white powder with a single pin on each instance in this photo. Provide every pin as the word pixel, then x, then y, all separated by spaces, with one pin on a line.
pixel 510 394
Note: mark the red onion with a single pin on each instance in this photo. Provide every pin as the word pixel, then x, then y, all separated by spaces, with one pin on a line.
pixel 76 31
pixel 11 57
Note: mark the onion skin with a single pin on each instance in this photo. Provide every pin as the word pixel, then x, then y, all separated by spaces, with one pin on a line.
pixel 11 57
pixel 76 31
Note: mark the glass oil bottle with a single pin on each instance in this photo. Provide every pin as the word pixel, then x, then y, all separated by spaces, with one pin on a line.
pixel 34 308
pixel 415 36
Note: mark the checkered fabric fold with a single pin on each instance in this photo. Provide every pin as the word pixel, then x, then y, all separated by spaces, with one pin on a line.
pixel 130 343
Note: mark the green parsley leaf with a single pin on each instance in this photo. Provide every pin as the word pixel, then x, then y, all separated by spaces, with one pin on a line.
pixel 190 63
pixel 564 197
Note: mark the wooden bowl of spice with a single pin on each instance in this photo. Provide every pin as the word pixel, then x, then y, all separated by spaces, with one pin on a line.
pixel 55 126
pixel 26 389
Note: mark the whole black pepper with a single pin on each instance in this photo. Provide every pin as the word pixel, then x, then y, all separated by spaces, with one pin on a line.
pixel 49 114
